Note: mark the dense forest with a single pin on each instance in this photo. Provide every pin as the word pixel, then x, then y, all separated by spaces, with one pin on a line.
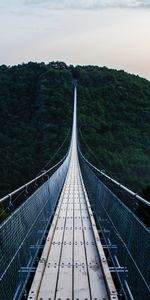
pixel 36 102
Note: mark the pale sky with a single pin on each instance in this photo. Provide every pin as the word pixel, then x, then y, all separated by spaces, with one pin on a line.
pixel 108 33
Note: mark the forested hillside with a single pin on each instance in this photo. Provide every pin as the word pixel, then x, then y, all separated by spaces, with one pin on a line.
pixel 36 116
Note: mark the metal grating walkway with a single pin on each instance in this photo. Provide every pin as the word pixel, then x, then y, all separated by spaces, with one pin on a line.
pixel 73 264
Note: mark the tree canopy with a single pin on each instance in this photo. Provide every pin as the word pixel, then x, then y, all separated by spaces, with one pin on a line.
pixel 36 102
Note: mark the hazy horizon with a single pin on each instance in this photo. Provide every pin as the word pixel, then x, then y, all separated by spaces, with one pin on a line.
pixel 107 33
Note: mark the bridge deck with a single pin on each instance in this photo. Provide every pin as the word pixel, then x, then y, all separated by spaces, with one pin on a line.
pixel 73 264
pixel 70 266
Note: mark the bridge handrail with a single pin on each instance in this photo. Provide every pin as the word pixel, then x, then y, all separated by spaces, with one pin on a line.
pixel 26 185
pixel 134 195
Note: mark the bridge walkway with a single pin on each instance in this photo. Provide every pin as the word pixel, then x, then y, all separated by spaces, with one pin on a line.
pixel 73 264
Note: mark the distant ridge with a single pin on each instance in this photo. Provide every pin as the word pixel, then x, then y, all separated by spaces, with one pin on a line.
pixel 36 112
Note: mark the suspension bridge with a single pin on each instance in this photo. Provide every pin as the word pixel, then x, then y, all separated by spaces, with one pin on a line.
pixel 73 238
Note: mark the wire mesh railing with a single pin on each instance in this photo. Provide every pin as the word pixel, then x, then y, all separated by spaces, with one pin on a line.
pixel 23 231
pixel 135 202
pixel 125 237
pixel 14 199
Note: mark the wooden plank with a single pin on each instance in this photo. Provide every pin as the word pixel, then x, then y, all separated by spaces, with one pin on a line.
pixel 64 285
pixel 33 294
pixel 49 279
pixel 81 282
